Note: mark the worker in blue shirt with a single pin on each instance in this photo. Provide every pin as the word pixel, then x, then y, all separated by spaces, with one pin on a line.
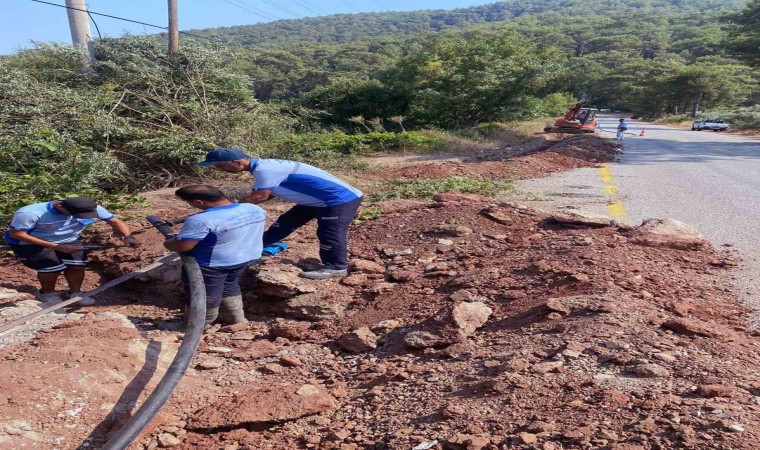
pixel 316 193
pixel 45 237
pixel 224 238
pixel 621 129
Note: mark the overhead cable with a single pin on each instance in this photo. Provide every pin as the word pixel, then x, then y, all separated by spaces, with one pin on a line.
pixel 120 18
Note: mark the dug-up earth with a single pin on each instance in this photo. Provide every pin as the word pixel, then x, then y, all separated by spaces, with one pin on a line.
pixel 465 324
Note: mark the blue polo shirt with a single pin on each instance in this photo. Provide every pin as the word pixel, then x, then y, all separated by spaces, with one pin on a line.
pixel 301 183
pixel 44 222
pixel 227 235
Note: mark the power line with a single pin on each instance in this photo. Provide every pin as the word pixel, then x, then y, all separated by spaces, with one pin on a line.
pixel 252 9
pixel 120 18
pixel 306 5
pixel 380 4
pixel 282 8
pixel 350 5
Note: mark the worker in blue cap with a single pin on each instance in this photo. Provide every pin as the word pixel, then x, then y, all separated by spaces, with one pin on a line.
pixel 316 194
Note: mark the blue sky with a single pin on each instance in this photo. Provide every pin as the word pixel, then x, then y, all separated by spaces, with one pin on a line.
pixel 24 21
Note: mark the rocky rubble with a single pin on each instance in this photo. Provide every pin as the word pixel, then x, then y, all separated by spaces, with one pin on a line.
pixel 524 332
pixel 516 331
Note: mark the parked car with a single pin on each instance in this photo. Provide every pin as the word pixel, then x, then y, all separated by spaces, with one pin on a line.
pixel 710 124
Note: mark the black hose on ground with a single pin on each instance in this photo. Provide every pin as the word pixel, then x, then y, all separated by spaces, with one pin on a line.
pixel 196 320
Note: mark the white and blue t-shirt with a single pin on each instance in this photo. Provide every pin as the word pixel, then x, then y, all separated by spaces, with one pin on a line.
pixel 44 222
pixel 228 235
pixel 301 183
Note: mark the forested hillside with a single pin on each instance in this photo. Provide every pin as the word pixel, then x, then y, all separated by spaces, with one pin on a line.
pixel 648 57
pixel 346 28
pixel 142 117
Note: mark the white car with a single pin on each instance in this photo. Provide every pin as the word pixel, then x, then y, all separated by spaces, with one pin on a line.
pixel 710 124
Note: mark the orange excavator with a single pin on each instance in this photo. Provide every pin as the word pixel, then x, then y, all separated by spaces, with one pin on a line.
pixel 578 120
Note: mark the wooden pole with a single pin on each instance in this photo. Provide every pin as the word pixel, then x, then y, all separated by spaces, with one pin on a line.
pixel 79 25
pixel 173 27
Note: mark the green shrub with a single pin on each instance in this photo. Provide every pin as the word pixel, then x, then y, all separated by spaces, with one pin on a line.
pixel 743 118
pixel 311 144
pixel 426 188
pixel 369 213
pixel 139 121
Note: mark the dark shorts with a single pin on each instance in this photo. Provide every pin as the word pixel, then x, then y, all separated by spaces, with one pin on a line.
pixel 221 282
pixel 44 260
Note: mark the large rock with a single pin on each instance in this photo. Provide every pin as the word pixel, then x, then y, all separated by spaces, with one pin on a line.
pixel 499 215
pixel 650 371
pixel 315 307
pixel 468 317
pixel 282 281
pixel 366 266
pixel 693 328
pixel 580 219
pixel 449 325
pixel 667 233
pixel 264 406
pixel 358 341
pixel 426 339
pixel 290 329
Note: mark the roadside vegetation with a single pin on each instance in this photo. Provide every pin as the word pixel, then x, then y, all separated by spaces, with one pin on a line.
pixel 426 188
pixel 377 83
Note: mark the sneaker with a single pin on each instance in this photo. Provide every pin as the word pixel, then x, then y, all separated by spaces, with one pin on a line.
pixel 271 250
pixel 49 297
pixel 85 301
pixel 323 274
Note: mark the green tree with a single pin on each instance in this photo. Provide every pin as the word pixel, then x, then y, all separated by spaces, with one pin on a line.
pixel 347 97
pixel 712 83
pixel 462 79
pixel 744 37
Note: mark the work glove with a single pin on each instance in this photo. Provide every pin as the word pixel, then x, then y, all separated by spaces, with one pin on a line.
pixel 271 250
pixel 131 241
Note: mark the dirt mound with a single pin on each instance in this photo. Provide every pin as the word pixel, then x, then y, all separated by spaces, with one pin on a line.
pixel 591 149
pixel 591 341
pixel 549 333
pixel 586 345
pixel 553 157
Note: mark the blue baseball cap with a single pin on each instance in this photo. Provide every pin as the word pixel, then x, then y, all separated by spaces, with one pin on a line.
pixel 222 155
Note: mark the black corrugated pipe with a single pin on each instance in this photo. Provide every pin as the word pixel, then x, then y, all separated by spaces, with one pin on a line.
pixel 196 320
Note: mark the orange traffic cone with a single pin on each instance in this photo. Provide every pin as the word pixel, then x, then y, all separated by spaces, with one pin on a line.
pixel 643 132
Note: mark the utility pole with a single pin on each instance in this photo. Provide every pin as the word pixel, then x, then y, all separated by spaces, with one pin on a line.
pixel 79 24
pixel 173 27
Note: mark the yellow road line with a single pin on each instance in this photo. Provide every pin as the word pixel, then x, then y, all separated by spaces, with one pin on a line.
pixel 605 174
pixel 617 209
pixel 615 205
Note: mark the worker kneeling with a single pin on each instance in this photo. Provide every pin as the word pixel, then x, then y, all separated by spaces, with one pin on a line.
pixel 45 237
pixel 224 238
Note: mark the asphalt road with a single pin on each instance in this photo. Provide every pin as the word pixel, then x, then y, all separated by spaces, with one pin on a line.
pixel 707 179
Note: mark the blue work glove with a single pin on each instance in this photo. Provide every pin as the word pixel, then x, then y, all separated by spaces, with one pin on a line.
pixel 271 250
